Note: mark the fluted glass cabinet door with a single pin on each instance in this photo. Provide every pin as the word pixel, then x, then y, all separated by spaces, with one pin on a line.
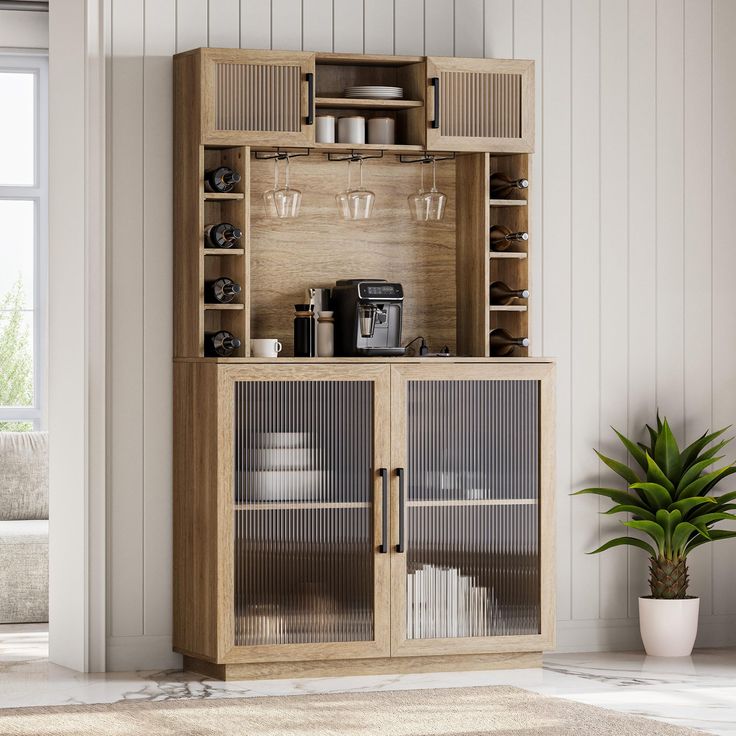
pixel 471 565
pixel 309 446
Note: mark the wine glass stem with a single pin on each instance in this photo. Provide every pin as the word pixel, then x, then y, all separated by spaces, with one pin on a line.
pixel 287 172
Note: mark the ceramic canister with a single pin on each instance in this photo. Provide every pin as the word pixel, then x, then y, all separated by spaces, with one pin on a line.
pixel 381 130
pixel 325 128
pixel 351 129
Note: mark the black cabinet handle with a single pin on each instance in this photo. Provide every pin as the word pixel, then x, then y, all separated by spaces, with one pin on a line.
pixel 435 82
pixel 310 98
pixel 401 546
pixel 384 513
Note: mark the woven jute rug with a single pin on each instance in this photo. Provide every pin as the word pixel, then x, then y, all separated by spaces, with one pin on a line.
pixel 502 711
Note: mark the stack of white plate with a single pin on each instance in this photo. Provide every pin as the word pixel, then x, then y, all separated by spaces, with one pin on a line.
pixel 376 92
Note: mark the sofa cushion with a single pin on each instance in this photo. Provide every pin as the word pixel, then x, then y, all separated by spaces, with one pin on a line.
pixel 24 475
pixel 24 571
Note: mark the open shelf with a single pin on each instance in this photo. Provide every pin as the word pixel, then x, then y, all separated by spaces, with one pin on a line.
pixel 507 255
pixel 224 251
pixel 348 147
pixel 233 306
pixel 219 196
pixel 508 307
pixel 366 103
pixel 507 202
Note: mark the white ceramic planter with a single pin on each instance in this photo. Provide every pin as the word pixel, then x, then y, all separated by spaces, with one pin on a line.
pixel 668 627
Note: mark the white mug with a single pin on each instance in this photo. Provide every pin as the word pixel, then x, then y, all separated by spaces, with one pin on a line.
pixel 265 347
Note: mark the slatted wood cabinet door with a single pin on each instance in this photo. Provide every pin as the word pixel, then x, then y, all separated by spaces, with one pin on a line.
pixel 264 97
pixel 480 105
pixel 472 470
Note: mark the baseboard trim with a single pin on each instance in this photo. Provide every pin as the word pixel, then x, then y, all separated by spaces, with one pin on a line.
pixel 130 653
pixel 611 635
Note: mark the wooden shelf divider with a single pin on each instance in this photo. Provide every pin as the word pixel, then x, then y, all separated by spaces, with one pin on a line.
pixel 366 103
pixel 224 251
pixel 508 307
pixel 222 196
pixel 507 202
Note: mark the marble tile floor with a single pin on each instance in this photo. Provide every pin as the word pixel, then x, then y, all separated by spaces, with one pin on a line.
pixel 697 692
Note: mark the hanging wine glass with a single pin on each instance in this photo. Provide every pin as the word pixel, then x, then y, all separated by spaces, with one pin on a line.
pixel 426 205
pixel 269 196
pixel 355 204
pixel 286 199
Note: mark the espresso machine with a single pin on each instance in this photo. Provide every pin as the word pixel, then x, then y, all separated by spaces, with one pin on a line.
pixel 367 317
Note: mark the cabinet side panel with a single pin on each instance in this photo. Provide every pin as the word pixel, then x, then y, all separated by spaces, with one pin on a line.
pixel 472 172
pixel 188 208
pixel 195 509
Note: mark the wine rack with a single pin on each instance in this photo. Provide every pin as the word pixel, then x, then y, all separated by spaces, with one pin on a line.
pixel 511 266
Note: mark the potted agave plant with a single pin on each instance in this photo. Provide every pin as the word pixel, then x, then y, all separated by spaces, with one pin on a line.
pixel 671 499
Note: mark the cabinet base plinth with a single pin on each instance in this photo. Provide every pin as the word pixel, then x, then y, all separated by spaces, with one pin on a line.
pixel 378 666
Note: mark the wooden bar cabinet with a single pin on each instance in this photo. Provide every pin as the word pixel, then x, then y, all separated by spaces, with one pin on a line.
pixel 357 515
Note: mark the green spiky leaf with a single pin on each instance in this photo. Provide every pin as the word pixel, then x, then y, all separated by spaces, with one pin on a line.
pixel 691 452
pixel 637 511
pixel 627 541
pixel 686 505
pixel 715 536
pixel 634 450
pixel 702 485
pixel 667 453
pixel 612 493
pixel 655 475
pixel 682 533
pixel 656 494
pixel 651 528
pixel 694 471
pixel 619 468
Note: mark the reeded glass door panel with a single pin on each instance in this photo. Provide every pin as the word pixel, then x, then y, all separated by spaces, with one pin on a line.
pixel 472 537
pixel 304 549
pixel 473 440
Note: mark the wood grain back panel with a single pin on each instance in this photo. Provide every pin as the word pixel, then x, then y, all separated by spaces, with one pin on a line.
pixel 318 247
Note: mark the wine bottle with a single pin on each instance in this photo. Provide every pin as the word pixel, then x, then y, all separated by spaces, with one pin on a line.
pixel 222 290
pixel 503 294
pixel 222 179
pixel 222 235
pixel 501 237
pixel 503 344
pixel 220 344
pixel 502 187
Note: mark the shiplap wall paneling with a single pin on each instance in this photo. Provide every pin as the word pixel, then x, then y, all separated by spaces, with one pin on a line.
pixel 316 33
pixel 378 31
pixel 499 26
pixel 724 266
pixel 669 211
pixel 439 27
pixel 698 253
pixel 553 247
pixel 223 18
pixel 286 24
pixel 126 325
pixel 641 235
pixel 469 28
pixel 348 26
pixel 614 267
pixel 585 306
pixel 160 45
pixel 191 23
pixel 408 26
pixel 255 24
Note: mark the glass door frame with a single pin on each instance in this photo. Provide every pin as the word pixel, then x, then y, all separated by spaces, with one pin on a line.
pixel 228 375
pixel 401 375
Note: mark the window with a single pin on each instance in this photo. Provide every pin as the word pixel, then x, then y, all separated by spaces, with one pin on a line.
pixel 23 240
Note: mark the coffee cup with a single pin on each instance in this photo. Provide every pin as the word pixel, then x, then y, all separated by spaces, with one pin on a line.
pixel 265 347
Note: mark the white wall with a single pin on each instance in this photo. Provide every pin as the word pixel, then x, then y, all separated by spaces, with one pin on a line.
pixel 632 269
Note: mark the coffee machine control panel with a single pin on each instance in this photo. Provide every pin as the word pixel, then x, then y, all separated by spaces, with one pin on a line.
pixel 380 291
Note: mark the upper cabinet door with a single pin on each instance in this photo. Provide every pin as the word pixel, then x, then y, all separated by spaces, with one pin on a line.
pixel 480 105
pixel 264 97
